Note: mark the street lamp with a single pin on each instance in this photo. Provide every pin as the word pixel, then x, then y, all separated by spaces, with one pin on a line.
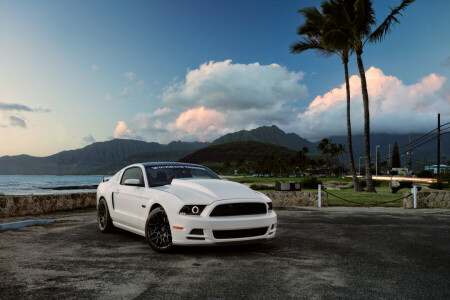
pixel 360 165
pixel 376 162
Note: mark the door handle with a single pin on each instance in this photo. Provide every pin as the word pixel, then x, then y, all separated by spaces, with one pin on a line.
pixel 143 206
pixel 116 191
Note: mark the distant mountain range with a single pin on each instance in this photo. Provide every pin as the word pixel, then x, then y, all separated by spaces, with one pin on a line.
pixel 246 150
pixel 108 157
pixel 267 134
pixel 97 157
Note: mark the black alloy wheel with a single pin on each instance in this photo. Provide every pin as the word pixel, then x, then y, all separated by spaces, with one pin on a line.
pixel 157 230
pixel 104 219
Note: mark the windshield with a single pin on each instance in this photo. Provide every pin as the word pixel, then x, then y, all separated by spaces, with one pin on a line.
pixel 164 174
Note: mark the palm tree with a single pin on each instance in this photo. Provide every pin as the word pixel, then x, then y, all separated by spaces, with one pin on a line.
pixel 354 20
pixel 305 150
pixel 315 28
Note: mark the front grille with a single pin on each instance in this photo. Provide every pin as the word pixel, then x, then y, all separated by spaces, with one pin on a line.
pixel 239 209
pixel 241 233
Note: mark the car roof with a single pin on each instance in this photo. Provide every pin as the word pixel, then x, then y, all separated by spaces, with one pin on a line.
pixel 152 164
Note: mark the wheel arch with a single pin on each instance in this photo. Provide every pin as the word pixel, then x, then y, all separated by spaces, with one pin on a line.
pixel 154 206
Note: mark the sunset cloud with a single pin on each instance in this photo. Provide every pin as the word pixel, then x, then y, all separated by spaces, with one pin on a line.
pixel 221 97
pixel 202 123
pixel 394 106
pixel 122 130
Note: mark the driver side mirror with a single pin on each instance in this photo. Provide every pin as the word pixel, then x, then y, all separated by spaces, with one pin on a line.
pixel 133 182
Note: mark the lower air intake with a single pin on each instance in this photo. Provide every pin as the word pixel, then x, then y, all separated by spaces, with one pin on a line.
pixel 241 233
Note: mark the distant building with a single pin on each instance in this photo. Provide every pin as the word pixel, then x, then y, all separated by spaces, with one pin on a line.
pixel 433 168
pixel 401 171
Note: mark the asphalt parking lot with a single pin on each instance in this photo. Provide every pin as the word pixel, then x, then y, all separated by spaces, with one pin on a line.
pixel 321 253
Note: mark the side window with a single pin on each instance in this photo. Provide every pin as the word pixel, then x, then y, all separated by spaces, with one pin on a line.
pixel 132 173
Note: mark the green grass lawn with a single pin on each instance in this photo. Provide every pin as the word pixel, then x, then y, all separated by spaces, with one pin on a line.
pixel 248 179
pixel 383 194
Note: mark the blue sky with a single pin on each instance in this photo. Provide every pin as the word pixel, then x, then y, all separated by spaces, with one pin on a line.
pixel 82 67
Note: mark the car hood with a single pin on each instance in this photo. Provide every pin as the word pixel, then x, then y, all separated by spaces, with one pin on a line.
pixel 207 191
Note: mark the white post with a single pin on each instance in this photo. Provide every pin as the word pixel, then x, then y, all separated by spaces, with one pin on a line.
pixel 320 196
pixel 414 190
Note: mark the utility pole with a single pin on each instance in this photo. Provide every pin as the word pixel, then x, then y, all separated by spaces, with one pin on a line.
pixel 359 168
pixel 376 161
pixel 410 154
pixel 389 164
pixel 439 145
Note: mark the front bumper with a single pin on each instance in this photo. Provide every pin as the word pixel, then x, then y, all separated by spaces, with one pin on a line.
pixel 207 224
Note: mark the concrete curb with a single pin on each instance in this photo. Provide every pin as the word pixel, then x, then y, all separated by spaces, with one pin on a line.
pixel 26 223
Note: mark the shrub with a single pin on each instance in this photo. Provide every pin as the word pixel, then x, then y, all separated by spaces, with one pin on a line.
pixel 310 183
pixel 425 174
pixel 443 182
pixel 438 185
pixel 261 187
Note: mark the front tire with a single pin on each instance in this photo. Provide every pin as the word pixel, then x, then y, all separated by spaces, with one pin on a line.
pixel 157 231
pixel 103 217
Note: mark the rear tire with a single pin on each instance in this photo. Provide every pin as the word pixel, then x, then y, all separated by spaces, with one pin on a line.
pixel 103 217
pixel 157 231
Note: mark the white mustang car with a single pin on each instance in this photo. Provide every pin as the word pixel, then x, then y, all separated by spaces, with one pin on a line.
pixel 183 204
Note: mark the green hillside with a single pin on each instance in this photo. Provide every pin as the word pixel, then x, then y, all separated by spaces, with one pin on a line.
pixel 247 150
pixel 266 134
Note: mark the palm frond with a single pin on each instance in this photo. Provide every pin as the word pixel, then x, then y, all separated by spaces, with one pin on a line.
pixel 364 17
pixel 385 27
pixel 311 43
pixel 336 39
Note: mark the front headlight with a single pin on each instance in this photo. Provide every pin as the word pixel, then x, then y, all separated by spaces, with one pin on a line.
pixel 194 210
pixel 269 208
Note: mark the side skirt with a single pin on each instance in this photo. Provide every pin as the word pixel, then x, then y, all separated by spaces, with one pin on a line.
pixel 130 229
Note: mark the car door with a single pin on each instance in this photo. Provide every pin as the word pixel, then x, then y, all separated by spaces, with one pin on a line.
pixel 127 198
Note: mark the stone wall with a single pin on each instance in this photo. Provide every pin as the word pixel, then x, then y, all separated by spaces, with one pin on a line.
pixel 12 206
pixel 433 199
pixel 296 198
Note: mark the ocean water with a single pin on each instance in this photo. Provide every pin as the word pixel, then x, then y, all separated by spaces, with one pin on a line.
pixel 34 184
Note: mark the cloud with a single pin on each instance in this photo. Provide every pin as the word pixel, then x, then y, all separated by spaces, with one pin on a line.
pixel 200 123
pixel 17 122
pixel 220 97
pixel 89 139
pixel 223 85
pixel 122 130
pixel 126 93
pixel 14 106
pixel 20 107
pixel 394 106
pixel 94 67
pixel 108 96
pixel 129 75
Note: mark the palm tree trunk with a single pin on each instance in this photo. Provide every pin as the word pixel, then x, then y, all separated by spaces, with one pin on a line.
pixel 349 132
pixel 365 96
